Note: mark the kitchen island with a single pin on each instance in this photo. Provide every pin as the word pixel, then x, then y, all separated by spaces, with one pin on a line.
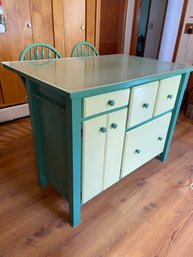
pixel 97 119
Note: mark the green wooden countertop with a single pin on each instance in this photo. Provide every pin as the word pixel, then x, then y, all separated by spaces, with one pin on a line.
pixel 74 75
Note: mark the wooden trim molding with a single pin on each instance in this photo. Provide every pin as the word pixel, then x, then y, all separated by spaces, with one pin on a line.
pixel 1 95
pixel 180 30
pixel 135 26
pixel 97 23
pixel 146 28
pixel 122 26
pixel 90 21
pixel 163 22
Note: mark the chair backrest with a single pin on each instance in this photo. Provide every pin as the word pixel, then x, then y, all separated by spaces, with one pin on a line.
pixel 39 51
pixel 84 49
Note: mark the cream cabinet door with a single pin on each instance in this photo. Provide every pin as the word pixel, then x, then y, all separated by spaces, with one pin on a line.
pixel 144 143
pixel 167 93
pixel 116 123
pixel 94 135
pixel 142 103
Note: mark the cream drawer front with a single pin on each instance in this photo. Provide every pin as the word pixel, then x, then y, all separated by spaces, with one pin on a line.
pixel 142 103
pixel 167 93
pixel 144 143
pixel 105 102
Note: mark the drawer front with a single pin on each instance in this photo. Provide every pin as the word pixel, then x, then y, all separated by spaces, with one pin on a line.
pixel 142 103
pixel 167 93
pixel 144 143
pixel 105 102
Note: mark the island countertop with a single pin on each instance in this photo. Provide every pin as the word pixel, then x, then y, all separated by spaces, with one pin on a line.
pixel 73 75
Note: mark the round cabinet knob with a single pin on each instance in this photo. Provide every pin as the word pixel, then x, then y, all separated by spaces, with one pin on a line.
pixel 103 129
pixel 29 25
pixel 170 96
pixel 111 102
pixel 114 125
pixel 137 151
pixel 160 138
pixel 146 105
pixel 82 27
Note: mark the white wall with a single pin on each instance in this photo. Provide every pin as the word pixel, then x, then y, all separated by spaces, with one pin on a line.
pixel 171 26
pixel 128 29
pixel 185 50
pixel 153 35
pixel 170 31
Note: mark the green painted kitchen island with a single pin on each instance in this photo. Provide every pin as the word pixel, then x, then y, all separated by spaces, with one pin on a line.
pixel 97 119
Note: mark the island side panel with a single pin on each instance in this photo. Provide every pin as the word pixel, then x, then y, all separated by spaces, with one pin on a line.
pixel 185 77
pixel 49 124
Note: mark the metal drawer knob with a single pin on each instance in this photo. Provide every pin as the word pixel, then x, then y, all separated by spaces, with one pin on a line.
pixel 160 138
pixel 114 125
pixel 111 102
pixel 146 105
pixel 29 25
pixel 137 151
pixel 103 129
pixel 170 96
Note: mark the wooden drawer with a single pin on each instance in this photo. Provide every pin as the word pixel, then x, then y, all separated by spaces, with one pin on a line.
pixel 105 102
pixel 142 103
pixel 144 143
pixel 167 93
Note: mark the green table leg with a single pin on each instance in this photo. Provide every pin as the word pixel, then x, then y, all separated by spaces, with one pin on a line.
pixel 74 159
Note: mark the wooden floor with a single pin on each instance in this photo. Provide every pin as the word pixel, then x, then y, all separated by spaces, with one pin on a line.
pixel 147 214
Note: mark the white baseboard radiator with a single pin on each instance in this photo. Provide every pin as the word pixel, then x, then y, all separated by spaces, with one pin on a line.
pixel 14 112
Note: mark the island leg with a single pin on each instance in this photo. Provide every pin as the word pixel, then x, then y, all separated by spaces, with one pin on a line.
pixel 185 77
pixel 74 159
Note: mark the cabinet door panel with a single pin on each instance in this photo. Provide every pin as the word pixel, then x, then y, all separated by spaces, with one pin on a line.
pixel 41 11
pixel 93 157
pixel 114 147
pixel 167 93
pixel 142 103
pixel 144 143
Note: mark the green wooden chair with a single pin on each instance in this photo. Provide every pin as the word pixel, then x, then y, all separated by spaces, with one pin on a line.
pixel 84 49
pixel 39 51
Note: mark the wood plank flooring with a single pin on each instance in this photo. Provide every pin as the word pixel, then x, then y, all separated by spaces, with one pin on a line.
pixel 148 214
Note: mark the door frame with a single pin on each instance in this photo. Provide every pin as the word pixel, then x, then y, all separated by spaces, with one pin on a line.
pixel 162 29
pixel 122 25
pixel 136 24
pixel 146 29
pixel 97 23
pixel 180 30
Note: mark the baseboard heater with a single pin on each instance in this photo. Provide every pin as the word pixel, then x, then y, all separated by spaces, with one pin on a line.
pixel 14 112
